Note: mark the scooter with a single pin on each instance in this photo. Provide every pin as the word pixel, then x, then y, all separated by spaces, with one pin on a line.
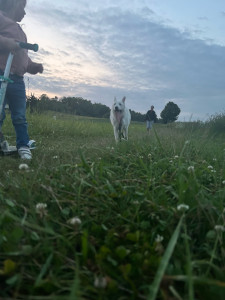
pixel 5 149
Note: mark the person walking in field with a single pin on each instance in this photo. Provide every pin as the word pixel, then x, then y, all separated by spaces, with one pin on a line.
pixel 150 118
pixel 12 12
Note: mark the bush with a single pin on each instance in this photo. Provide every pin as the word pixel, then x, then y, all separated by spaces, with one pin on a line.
pixel 216 123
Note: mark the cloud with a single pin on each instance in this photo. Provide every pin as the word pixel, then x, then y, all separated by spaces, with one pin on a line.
pixel 102 53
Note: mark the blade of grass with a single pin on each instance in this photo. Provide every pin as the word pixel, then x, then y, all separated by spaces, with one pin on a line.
pixel 189 266
pixel 200 280
pixel 164 262
pixel 44 270
pixel 157 138
pixel 175 293
pixel 32 226
pixel 75 291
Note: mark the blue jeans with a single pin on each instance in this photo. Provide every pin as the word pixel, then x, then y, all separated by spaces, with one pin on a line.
pixel 149 124
pixel 16 99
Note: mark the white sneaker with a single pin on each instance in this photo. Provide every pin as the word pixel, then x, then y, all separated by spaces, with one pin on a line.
pixel 24 153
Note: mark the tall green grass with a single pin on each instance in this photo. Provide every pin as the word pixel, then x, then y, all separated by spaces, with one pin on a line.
pixel 216 123
pixel 113 227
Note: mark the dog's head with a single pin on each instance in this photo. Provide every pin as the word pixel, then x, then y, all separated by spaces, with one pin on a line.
pixel 119 105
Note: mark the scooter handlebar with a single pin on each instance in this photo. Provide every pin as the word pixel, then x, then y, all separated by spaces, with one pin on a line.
pixel 28 46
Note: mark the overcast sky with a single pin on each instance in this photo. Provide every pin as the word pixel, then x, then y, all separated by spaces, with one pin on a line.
pixel 151 52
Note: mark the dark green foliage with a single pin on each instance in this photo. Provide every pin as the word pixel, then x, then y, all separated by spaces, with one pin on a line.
pixel 170 113
pixel 216 123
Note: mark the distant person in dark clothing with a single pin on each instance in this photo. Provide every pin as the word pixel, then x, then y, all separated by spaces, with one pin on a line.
pixel 150 118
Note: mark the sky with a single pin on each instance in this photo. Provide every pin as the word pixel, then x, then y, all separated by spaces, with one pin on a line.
pixel 150 51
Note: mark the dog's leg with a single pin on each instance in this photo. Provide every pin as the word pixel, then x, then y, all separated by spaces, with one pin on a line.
pixel 126 133
pixel 116 134
pixel 120 132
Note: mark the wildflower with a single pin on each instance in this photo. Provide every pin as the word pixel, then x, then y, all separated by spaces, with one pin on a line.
pixel 159 238
pixel 176 156
pixel 219 228
pixel 191 169
pixel 210 167
pixel 23 167
pixel 182 207
pixel 187 142
pixel 159 247
pixel 55 157
pixel 100 282
pixel 54 117
pixel 214 159
pixel 223 182
pixel 74 221
pixel 41 209
pixel 136 202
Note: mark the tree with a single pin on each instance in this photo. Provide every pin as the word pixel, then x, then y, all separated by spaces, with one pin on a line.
pixel 32 103
pixel 170 113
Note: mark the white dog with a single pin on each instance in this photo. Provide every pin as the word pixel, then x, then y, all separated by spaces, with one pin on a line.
pixel 120 118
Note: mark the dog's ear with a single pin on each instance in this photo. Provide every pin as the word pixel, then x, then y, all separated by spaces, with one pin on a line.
pixel 124 98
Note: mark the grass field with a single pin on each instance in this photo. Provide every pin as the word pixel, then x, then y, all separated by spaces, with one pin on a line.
pixel 89 219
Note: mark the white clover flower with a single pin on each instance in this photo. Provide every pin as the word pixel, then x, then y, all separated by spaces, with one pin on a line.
pixel 176 156
pixel 223 182
pixel 210 167
pixel 100 282
pixel 74 221
pixel 159 238
pixel 182 207
pixel 55 157
pixel 214 159
pixel 213 171
pixel 187 142
pixel 136 202
pixel 23 167
pixel 41 209
pixel 191 169
pixel 219 228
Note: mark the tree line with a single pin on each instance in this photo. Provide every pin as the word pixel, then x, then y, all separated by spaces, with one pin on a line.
pixel 82 107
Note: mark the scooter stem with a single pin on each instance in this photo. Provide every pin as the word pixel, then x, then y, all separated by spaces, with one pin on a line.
pixel 4 82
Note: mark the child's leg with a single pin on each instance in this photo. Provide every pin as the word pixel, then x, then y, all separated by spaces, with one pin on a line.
pixel 17 103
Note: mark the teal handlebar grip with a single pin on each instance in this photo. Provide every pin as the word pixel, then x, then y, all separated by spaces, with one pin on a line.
pixel 28 46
